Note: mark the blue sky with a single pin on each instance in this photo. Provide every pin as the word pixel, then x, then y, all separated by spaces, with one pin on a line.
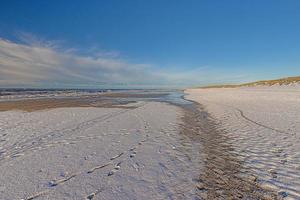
pixel 147 43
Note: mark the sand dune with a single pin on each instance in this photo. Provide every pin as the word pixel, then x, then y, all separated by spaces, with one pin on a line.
pixel 288 81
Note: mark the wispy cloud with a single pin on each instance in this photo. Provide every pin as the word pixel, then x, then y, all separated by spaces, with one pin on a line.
pixel 34 62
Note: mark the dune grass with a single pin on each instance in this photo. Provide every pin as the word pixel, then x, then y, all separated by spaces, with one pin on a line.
pixel 282 81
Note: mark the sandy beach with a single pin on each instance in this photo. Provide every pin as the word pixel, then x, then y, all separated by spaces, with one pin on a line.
pixel 261 125
pixel 150 100
pixel 152 144
pixel 134 151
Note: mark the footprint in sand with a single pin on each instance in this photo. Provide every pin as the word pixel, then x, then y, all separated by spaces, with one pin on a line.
pixel 132 154
pixel 92 195
pixel 116 168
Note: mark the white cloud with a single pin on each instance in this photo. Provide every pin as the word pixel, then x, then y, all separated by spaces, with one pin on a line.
pixel 34 64
pixel 38 63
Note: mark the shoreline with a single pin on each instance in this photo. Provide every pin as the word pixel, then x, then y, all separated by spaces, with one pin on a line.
pixel 31 105
pixel 105 100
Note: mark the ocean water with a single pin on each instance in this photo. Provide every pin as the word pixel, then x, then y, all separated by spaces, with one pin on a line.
pixel 172 96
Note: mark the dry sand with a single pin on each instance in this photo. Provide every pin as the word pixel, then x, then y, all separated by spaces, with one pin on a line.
pixel 261 126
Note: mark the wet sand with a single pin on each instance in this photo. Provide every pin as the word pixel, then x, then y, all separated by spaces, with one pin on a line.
pixel 108 100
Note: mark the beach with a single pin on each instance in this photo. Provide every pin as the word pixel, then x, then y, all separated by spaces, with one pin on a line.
pixel 150 100
pixel 131 151
pixel 261 125
pixel 207 144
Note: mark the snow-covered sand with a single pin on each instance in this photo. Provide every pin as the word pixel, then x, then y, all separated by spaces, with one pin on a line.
pixel 96 153
pixel 263 126
pixel 155 150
